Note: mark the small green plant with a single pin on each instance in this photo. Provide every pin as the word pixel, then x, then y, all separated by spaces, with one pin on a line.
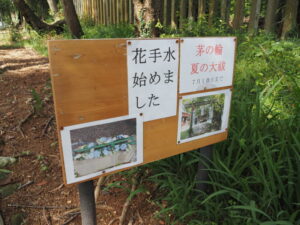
pixel 43 164
pixel 144 27
pixel 37 101
pixel 15 35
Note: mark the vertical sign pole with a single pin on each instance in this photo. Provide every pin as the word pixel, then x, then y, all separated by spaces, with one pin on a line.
pixel 202 173
pixel 87 203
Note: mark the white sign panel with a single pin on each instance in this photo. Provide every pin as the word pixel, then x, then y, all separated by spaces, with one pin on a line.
pixel 152 77
pixel 206 63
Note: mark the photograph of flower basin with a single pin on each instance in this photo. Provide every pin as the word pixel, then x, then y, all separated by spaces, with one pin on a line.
pixel 104 153
pixel 99 147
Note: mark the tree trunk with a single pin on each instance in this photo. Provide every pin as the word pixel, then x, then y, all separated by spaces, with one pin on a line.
pixel 34 21
pixel 238 14
pixel 101 12
pixel 118 11
pixel 254 16
pixel 211 12
pixel 290 17
pixel 173 12
pixel 190 10
pixel 270 21
pixel 53 6
pixel 130 11
pixel 126 11
pixel 165 12
pixel 225 10
pixel 201 9
pixel 110 12
pixel 97 12
pixel 72 19
pixel 182 12
pixel 147 14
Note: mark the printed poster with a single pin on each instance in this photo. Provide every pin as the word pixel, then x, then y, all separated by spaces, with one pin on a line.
pixel 152 77
pixel 206 63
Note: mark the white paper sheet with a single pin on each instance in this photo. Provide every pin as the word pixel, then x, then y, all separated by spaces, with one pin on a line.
pixel 206 63
pixel 152 77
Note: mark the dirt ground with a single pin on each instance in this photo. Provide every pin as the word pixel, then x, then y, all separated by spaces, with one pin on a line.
pixel 27 125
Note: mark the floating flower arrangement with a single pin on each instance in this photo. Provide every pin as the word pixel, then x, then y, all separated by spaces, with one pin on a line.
pixel 103 146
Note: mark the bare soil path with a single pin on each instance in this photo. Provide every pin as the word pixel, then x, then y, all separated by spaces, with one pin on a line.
pixel 22 131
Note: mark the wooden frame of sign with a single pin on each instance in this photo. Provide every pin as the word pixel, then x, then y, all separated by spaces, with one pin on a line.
pixel 89 81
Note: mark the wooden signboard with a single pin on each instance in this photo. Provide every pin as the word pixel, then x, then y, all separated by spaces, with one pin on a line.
pixel 91 82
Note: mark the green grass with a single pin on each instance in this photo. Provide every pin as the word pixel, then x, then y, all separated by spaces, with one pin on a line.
pixel 254 177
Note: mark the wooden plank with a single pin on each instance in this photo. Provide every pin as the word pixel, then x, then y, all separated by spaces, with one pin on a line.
pixel 89 81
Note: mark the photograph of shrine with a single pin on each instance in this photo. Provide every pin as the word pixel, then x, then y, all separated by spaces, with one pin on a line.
pixel 201 115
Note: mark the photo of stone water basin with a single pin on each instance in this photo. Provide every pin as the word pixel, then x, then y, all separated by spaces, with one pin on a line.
pixel 100 147
pixel 105 153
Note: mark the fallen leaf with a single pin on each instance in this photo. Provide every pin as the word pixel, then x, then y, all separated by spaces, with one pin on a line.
pixel 42 183
pixel 8 137
pixel 5 181
pixel 8 190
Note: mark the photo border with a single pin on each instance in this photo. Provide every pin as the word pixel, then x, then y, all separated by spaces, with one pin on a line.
pixel 225 116
pixel 67 148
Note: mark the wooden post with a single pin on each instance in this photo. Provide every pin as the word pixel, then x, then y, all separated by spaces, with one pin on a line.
pixel 114 11
pixel 130 12
pixel 118 11
pixel 126 11
pixel 111 21
pixel 87 203
pixel 101 12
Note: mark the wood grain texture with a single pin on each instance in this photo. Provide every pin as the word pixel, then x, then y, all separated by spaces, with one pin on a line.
pixel 89 81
